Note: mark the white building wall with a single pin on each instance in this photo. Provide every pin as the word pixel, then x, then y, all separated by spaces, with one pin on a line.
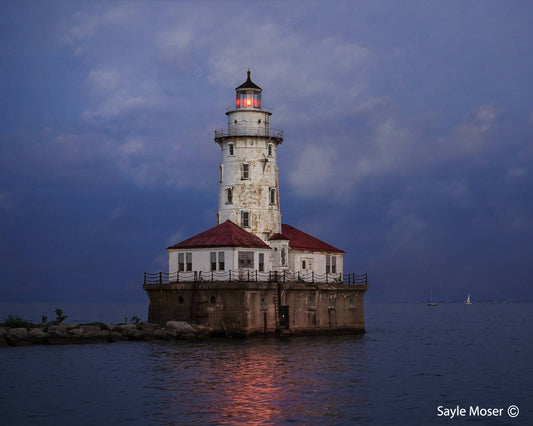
pixel 201 262
pixel 314 262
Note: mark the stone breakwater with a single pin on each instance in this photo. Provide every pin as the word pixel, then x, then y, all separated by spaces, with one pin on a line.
pixel 98 332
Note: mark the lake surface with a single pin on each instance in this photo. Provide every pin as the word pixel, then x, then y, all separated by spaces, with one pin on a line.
pixel 412 360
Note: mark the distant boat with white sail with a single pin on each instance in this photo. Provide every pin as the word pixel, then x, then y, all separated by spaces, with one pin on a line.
pixel 467 301
pixel 431 302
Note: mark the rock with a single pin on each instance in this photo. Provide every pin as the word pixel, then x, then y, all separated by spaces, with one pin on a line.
pixel 148 326
pixel 87 329
pixel 115 336
pixel 163 334
pixel 18 333
pixel 181 327
pixel 38 336
pixel 202 331
pixel 58 330
pixel 76 332
pixel 125 328
pixel 102 325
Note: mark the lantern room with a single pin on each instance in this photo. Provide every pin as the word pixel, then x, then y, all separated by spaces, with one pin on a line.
pixel 248 95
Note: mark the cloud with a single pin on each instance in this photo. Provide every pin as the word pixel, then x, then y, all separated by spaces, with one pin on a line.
pixel 85 24
pixel 381 142
pixel 103 79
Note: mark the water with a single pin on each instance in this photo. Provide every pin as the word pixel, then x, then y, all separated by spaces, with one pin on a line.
pixel 413 359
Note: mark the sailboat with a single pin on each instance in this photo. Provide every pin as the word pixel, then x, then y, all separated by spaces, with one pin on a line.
pixel 468 302
pixel 431 302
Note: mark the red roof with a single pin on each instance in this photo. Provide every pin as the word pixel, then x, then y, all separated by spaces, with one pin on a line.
pixel 301 241
pixel 278 237
pixel 226 234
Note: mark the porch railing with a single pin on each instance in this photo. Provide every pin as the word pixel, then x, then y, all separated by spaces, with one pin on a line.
pixel 247 275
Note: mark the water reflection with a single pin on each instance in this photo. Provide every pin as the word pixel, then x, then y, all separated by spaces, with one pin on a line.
pixel 257 381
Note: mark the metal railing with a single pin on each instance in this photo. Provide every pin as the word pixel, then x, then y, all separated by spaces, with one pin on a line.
pixel 270 133
pixel 248 275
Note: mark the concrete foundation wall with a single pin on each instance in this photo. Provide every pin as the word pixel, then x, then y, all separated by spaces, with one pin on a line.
pixel 234 308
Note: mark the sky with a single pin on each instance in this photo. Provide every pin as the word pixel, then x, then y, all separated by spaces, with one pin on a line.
pixel 408 139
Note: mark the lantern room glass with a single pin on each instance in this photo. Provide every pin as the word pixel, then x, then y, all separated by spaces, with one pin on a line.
pixel 248 99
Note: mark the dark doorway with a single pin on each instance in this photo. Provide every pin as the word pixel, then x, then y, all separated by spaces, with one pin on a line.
pixel 283 317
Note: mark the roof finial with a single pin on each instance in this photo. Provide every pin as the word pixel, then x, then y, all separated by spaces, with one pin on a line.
pixel 248 73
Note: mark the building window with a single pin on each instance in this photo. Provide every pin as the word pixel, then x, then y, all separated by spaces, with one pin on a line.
pixel 245 171
pixel 231 149
pixel 221 261
pixel 333 264
pixel 270 149
pixel 221 173
pixel 272 196
pixel 246 259
pixel 261 262
pixel 303 264
pixel 213 260
pixel 181 262
pixel 328 264
pixel 188 259
pixel 245 219
pixel 229 195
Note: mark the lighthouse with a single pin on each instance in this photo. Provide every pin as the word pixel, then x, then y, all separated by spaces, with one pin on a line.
pixel 249 189
pixel 251 273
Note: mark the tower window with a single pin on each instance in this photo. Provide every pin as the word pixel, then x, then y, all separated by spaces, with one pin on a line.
pixel 270 149
pixel 231 149
pixel 245 219
pixel 229 195
pixel 221 173
pixel 272 196
pixel 245 171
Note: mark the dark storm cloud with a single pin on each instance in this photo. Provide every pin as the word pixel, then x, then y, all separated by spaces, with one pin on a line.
pixel 408 138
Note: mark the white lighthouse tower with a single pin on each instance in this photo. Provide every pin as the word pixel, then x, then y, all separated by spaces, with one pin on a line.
pixel 249 191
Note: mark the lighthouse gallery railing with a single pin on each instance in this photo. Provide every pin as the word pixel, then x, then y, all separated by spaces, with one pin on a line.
pixel 270 133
